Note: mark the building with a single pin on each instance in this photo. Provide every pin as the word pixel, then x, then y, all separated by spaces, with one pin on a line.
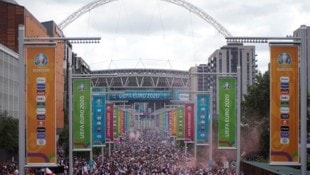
pixel 9 89
pixel 304 32
pixel 222 61
pixel 11 16
pixel 226 60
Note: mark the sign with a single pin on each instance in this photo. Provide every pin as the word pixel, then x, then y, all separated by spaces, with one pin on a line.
pixel 40 106
pixel 141 95
pixel 116 122
pixel 81 114
pixel 227 112
pixel 284 105
pixel 172 121
pixel 98 120
pixel 202 122
pixel 109 122
pixel 180 122
pixel 189 121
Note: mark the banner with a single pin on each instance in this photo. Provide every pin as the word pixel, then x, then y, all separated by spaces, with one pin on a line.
pixel 140 95
pixel 121 122
pixel 109 122
pixel 174 122
pixel 81 114
pixel 161 121
pixel 116 123
pixel 202 122
pixel 171 123
pixel 166 121
pixel 227 112
pixel 189 122
pixel 98 120
pixel 180 122
pixel 127 120
pixel 40 106
pixel 284 105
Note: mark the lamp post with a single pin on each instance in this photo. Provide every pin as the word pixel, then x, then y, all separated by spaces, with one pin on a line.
pixel 238 76
pixel 22 42
pixel 303 80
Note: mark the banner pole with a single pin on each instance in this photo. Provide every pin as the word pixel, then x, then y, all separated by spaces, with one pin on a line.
pixel 21 120
pixel 102 154
pixel 238 118
pixel 303 102
pixel 70 117
pixel 211 129
pixel 195 124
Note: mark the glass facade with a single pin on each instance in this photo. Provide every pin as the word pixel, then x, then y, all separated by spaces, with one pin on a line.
pixel 9 81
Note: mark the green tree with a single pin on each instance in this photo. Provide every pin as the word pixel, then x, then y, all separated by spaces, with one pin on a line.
pixel 9 133
pixel 255 112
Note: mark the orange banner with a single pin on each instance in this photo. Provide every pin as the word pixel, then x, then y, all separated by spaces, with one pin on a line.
pixel 284 105
pixel 40 106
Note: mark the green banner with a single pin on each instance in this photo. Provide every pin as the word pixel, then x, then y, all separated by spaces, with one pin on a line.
pixel 227 112
pixel 81 114
pixel 180 122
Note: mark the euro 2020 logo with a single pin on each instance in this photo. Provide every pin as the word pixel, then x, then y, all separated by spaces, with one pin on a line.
pixel 284 59
pixel 41 60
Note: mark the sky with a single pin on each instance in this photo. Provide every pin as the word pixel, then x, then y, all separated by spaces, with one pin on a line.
pixel 159 34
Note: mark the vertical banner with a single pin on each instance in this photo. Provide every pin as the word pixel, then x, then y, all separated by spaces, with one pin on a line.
pixel 98 120
pixel 189 122
pixel 227 112
pixel 284 105
pixel 81 114
pixel 202 122
pixel 180 122
pixel 116 123
pixel 126 119
pixel 171 125
pixel 109 122
pixel 40 106
pixel 162 120
pixel 166 122
pixel 121 122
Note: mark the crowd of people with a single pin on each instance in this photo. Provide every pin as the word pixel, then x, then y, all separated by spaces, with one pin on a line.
pixel 146 153
pixel 9 168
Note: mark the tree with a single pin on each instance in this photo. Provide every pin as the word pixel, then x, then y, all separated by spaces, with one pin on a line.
pixel 256 102
pixel 255 112
pixel 9 132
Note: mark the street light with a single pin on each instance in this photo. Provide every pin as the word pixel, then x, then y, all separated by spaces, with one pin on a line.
pixel 22 41
pixel 303 83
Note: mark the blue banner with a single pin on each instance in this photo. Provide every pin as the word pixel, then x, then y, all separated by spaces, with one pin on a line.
pixel 98 120
pixel 202 122
pixel 141 95
pixel 98 90
pixel 180 96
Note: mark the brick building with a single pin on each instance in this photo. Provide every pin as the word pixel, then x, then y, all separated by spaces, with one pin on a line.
pixel 11 16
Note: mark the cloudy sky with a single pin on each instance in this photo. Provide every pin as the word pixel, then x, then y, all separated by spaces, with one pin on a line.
pixel 158 34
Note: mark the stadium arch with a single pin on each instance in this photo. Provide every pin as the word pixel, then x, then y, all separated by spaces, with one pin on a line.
pixel 192 8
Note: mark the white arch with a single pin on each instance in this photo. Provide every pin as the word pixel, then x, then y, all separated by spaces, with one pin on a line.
pixel 180 3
